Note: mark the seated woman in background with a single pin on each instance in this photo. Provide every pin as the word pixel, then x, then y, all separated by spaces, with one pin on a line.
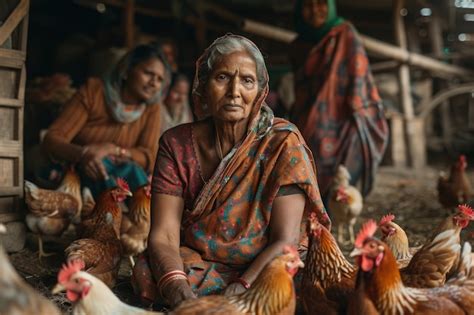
pixel 111 127
pixel 228 190
pixel 175 108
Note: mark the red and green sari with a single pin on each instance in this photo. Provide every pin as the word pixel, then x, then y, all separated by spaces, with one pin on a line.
pixel 225 220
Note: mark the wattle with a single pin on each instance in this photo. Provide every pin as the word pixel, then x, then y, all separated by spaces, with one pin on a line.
pixel 72 296
pixel 367 264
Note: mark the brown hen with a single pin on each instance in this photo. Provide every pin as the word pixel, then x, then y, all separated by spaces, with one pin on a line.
pixel 455 188
pixel 328 278
pixel 384 286
pixel 100 246
pixel 437 259
pixel 271 293
pixel 51 211
pixel 136 225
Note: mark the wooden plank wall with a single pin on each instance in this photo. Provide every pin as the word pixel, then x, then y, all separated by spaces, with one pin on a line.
pixel 13 38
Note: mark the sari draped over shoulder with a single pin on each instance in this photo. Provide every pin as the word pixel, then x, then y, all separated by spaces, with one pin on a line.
pixel 338 108
pixel 227 225
pixel 229 221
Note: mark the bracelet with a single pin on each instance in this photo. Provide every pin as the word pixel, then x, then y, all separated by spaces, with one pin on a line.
pixel 169 277
pixel 170 274
pixel 169 280
pixel 244 283
pixel 123 152
pixel 83 152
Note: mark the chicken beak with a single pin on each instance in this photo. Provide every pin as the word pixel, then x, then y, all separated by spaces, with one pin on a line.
pixel 356 252
pixel 128 193
pixel 300 264
pixel 58 288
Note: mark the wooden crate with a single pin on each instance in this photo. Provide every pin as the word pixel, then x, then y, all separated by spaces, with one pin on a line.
pixel 13 35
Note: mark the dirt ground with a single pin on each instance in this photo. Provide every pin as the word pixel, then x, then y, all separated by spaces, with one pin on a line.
pixel 411 196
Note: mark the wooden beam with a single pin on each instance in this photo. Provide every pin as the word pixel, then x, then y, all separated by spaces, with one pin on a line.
pixel 13 20
pixel 416 157
pixel 11 149
pixel 13 63
pixel 13 54
pixel 428 106
pixel 373 46
pixel 10 102
pixel 10 217
pixel 129 23
pixel 382 66
pixel 11 191
pixel 120 4
pixel 436 36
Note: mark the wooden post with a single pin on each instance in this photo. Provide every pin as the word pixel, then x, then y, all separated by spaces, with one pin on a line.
pixel 12 91
pixel 397 140
pixel 201 26
pixel 129 23
pixel 417 155
pixel 437 48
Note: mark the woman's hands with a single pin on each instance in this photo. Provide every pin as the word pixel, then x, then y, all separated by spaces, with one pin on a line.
pixel 234 288
pixel 91 160
pixel 177 292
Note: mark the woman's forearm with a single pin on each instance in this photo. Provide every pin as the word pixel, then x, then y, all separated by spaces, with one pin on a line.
pixel 164 259
pixel 60 149
pixel 270 252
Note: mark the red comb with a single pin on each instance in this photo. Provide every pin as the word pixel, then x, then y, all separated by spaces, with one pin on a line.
pixel 312 217
pixel 466 210
pixel 122 183
pixel 69 269
pixel 290 249
pixel 367 230
pixel 462 158
pixel 387 219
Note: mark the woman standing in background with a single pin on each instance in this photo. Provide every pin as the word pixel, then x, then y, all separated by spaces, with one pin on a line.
pixel 337 107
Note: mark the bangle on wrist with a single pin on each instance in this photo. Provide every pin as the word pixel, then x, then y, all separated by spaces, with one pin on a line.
pixel 83 152
pixel 122 152
pixel 169 277
pixel 244 283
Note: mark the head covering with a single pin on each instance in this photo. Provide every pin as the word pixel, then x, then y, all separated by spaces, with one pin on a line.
pixel 261 116
pixel 309 32
pixel 114 81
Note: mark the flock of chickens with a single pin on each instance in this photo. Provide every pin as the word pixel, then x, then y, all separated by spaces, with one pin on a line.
pixel 387 276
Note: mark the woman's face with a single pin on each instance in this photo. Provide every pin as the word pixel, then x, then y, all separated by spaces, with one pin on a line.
pixel 145 79
pixel 315 12
pixel 178 94
pixel 232 87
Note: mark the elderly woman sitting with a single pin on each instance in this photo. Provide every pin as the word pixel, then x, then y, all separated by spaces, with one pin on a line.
pixel 228 190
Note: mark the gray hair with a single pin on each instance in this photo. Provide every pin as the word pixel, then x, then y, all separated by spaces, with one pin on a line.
pixel 224 46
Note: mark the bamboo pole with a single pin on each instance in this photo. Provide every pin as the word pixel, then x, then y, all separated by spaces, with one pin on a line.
pixel 437 47
pixel 404 83
pixel 373 46
pixel 129 23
